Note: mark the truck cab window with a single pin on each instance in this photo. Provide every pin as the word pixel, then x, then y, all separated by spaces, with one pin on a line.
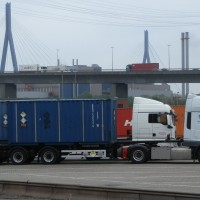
pixel 155 118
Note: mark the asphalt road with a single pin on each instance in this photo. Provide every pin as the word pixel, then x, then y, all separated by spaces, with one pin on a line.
pixel 158 176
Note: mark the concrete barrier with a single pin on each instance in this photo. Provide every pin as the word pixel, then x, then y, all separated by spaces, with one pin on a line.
pixel 74 192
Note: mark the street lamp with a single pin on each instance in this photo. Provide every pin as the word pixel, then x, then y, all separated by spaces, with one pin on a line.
pixel 112 57
pixel 58 61
pixel 169 55
pixel 62 86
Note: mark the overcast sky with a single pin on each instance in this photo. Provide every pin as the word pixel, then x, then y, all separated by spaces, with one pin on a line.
pixel 87 29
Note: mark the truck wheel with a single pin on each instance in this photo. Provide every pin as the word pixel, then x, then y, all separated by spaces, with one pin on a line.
pixel 139 155
pixel 49 156
pixel 19 156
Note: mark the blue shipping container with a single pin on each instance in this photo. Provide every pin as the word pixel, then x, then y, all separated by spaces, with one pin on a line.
pixel 59 121
pixel 4 122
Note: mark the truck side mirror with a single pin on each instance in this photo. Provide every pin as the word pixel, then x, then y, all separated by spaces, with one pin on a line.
pixel 169 121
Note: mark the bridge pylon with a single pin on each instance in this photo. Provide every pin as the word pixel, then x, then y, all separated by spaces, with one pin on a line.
pixel 146 57
pixel 8 39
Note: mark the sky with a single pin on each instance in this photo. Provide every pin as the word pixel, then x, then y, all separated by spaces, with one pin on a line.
pixel 88 29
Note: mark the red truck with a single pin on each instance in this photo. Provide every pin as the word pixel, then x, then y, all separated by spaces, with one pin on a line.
pixel 143 67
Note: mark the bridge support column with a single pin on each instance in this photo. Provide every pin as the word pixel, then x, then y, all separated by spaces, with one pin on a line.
pixel 8 91
pixel 119 90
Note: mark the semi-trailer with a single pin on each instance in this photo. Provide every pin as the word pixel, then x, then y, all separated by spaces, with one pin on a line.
pixel 143 67
pixel 52 129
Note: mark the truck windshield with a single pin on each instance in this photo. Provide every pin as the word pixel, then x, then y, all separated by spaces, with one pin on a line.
pixel 163 119
pixel 174 118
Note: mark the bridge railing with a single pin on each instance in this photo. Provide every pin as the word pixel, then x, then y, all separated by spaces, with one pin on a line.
pixel 102 70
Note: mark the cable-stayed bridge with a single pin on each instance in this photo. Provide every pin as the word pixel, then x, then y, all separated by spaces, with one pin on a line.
pixel 120 79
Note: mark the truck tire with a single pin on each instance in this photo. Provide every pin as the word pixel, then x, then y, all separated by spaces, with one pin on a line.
pixel 49 156
pixel 19 156
pixel 139 154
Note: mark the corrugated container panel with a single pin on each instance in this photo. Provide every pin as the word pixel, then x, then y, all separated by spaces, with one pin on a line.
pixel 12 120
pixel 25 132
pixel 4 121
pixel 47 121
pixel 88 121
pixel 109 111
pixel 124 122
pixel 99 121
pixel 94 122
pixel 64 121
pixel 71 121
pixel 180 112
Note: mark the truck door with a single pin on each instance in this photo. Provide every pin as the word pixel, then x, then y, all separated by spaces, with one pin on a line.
pixel 160 129
pixel 141 129
pixel 195 126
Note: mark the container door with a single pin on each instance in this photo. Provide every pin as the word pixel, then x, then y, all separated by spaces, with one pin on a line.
pixel 109 133
pixel 93 121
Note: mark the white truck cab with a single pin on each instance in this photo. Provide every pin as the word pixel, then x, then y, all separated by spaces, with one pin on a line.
pixel 192 119
pixel 152 120
pixel 154 131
